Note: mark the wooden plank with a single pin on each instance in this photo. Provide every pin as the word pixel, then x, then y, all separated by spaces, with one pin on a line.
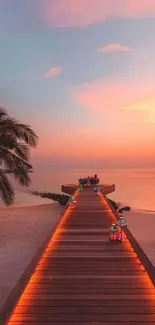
pixel 100 255
pixel 148 303
pixel 84 290
pixel 84 317
pixel 116 277
pixel 87 261
pixel 83 310
pixel 111 249
pixel 87 285
pixel 81 323
pixel 109 266
pixel 86 282
pixel 90 297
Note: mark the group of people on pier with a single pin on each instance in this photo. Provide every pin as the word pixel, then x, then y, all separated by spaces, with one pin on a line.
pixel 89 181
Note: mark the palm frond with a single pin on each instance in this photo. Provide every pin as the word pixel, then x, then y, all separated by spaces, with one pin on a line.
pixel 11 161
pixel 28 135
pixel 22 131
pixel 22 176
pixel 22 151
pixel 11 143
pixel 3 112
pixel 6 190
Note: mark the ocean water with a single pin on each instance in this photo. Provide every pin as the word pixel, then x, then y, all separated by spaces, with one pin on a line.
pixel 134 187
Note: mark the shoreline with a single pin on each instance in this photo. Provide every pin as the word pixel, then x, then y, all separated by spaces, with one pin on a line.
pixel 26 199
pixel 24 207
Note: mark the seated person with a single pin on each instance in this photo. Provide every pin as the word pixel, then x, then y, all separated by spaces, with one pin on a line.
pixel 88 181
pixel 92 181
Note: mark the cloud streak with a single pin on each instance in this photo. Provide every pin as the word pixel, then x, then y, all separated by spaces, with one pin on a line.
pixel 53 72
pixel 114 47
pixel 114 94
pixel 82 13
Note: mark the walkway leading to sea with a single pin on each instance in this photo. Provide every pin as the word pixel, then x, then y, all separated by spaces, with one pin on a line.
pixel 82 278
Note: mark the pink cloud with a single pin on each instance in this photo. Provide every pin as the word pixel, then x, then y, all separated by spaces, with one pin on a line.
pixel 114 47
pixel 53 72
pixel 139 8
pixel 113 94
pixel 82 13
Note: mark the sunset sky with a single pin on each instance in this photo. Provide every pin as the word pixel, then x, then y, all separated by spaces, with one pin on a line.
pixel 82 74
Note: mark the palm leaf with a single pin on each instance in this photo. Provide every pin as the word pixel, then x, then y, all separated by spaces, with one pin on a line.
pixel 6 190
pixel 22 176
pixel 22 151
pixel 28 135
pixel 11 143
pixel 3 112
pixel 11 161
pixel 10 126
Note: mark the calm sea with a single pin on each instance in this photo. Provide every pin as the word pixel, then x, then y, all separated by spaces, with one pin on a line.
pixel 134 187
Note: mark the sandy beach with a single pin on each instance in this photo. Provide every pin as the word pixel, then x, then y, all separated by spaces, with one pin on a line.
pixel 22 232
pixel 24 229
pixel 142 226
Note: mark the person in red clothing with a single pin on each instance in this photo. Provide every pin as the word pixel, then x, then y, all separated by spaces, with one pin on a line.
pixel 121 223
pixel 113 232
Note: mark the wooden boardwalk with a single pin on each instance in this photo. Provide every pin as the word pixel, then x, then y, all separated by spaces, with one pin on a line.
pixel 83 278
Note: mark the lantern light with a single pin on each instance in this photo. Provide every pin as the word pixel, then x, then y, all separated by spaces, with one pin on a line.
pixel 72 199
